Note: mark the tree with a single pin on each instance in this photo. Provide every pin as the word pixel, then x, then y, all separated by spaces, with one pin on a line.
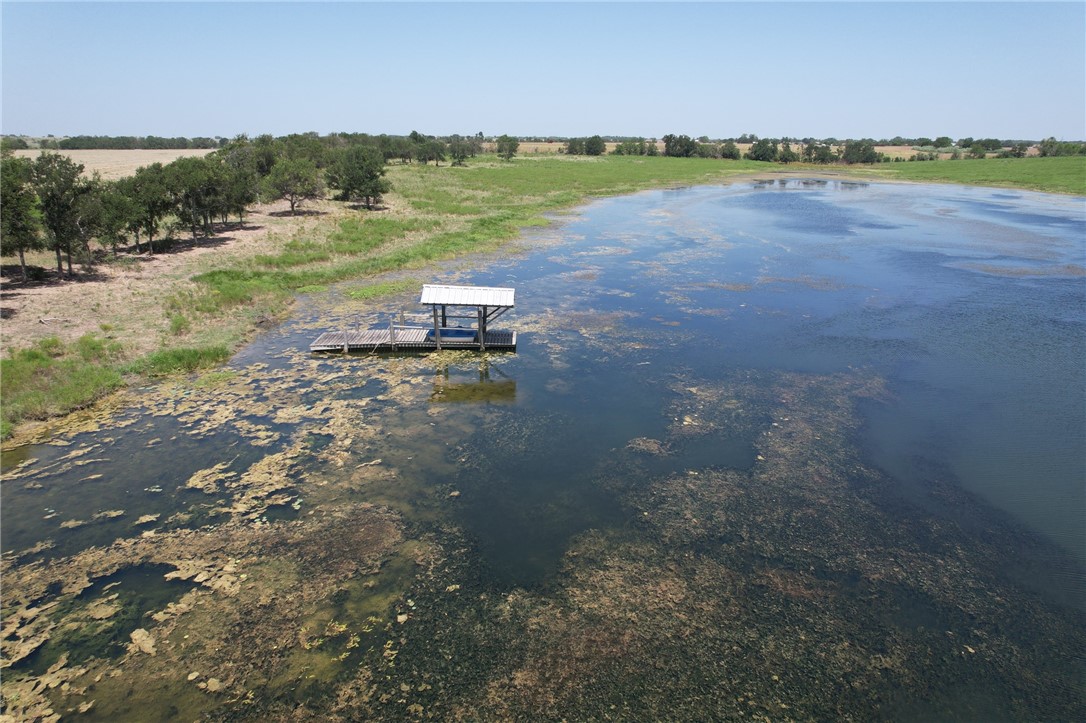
pixel 358 173
pixel 575 146
pixel 824 153
pixel 58 186
pixel 978 150
pixel 764 149
pixel 430 149
pixel 295 180
pixel 197 187
pixel 682 146
pixel 966 142
pixel 117 215
pixel 304 146
pixel 507 147
pixel 151 194
pixel 594 146
pixel 20 220
pixel 861 151
pixel 787 155
pixel 267 151
pixel 241 179
pixel 460 149
pixel 730 151
pixel 943 142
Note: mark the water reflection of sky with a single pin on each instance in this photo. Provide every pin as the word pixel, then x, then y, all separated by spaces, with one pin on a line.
pixel 986 361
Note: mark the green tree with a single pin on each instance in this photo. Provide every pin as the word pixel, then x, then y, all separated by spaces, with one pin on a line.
pixel 296 180
pixel 978 150
pixel 824 153
pixel 575 146
pixel 13 143
pixel 787 155
pixel 267 151
pixel 861 151
pixel 681 146
pixel 730 151
pixel 507 147
pixel 763 149
pixel 119 213
pixel 58 186
pixel 358 172
pixel 20 218
pixel 197 188
pixel 305 146
pixel 594 146
pixel 943 142
pixel 459 149
pixel 430 149
pixel 149 190
pixel 241 178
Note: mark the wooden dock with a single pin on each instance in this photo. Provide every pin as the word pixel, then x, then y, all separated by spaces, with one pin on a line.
pixel 405 338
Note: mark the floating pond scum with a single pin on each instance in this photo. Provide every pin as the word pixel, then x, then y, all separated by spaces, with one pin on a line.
pixel 488 303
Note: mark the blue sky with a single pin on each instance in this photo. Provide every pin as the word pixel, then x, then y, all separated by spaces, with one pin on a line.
pixel 854 69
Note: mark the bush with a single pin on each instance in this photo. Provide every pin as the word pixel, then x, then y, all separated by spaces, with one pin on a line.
pixel 180 359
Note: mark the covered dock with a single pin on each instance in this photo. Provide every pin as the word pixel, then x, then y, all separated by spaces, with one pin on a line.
pixel 479 305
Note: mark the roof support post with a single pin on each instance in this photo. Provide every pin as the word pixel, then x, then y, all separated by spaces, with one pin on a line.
pixel 482 327
pixel 437 329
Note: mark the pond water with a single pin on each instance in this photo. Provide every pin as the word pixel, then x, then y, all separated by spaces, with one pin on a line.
pixel 660 337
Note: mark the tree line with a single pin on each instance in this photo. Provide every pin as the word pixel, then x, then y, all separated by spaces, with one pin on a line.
pixel 115 143
pixel 820 151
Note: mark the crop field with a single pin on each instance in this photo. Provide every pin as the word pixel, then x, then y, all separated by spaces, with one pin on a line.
pixel 114 164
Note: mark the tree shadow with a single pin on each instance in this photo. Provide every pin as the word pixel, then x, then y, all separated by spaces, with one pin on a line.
pixel 364 207
pixel 171 246
pixel 300 212
pixel 43 277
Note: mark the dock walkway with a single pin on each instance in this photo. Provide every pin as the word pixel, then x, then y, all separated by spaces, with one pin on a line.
pixel 405 338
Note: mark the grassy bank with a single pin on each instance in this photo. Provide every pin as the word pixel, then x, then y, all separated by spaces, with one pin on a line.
pixel 433 213
pixel 1066 174
pixel 442 212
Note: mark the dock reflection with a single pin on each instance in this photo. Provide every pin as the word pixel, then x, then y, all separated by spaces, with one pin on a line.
pixel 488 386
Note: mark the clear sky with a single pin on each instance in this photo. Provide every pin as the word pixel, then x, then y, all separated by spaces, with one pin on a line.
pixel 852 69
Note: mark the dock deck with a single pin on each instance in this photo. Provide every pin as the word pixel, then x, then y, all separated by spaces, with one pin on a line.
pixel 404 338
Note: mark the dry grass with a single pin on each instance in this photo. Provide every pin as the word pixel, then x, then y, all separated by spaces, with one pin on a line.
pixel 111 164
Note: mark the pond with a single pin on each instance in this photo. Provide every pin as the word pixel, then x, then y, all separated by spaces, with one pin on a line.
pixel 778 438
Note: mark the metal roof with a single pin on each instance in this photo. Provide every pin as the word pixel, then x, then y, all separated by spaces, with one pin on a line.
pixel 466 295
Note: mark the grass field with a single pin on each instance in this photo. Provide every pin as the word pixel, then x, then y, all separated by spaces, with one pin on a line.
pixel 205 301
pixel 1066 174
